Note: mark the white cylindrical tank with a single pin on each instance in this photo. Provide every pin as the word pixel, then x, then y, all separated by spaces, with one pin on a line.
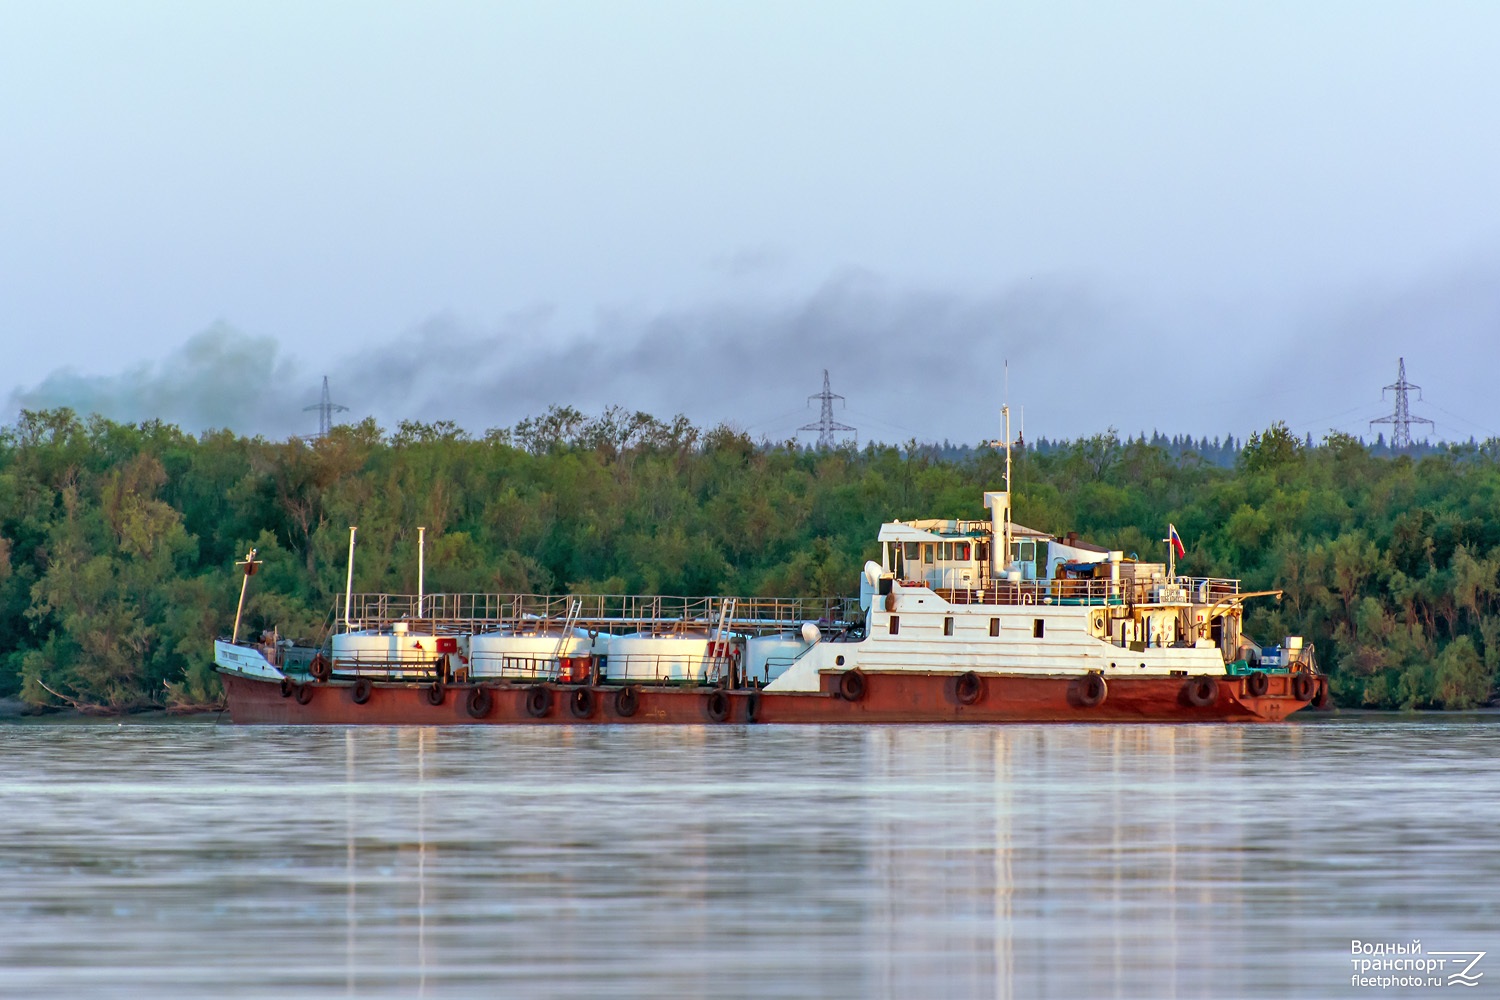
pixel 768 656
pixel 531 653
pixel 647 658
pixel 394 649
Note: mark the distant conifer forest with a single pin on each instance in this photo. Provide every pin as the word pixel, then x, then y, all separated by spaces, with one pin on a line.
pixel 118 541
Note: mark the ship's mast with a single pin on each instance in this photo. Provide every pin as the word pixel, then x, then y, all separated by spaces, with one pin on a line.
pixel 1005 540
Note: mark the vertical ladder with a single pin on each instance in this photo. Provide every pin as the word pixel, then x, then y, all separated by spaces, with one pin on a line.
pixel 719 643
pixel 575 607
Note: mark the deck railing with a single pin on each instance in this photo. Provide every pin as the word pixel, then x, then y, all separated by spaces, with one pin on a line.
pixel 447 614
pixel 1093 590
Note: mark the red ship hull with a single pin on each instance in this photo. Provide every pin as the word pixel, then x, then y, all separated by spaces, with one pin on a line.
pixel 906 697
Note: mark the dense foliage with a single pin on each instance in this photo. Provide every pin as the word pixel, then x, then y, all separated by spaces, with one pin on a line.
pixel 117 541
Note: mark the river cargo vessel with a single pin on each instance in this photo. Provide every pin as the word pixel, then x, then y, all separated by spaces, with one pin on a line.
pixel 971 621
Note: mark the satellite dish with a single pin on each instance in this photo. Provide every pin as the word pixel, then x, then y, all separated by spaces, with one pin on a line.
pixel 872 573
pixel 810 632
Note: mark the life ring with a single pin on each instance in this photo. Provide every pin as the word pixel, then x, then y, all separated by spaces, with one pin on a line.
pixel 435 692
pixel 286 688
pixel 320 668
pixel 1303 687
pixel 479 702
pixel 1257 684
pixel 362 690
pixel 1201 692
pixel 627 700
pixel 851 685
pixel 717 706
pixel 752 705
pixel 581 704
pixel 304 693
pixel 968 688
pixel 1092 690
pixel 538 701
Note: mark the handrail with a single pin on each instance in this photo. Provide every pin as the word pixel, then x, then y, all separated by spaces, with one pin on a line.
pixel 460 613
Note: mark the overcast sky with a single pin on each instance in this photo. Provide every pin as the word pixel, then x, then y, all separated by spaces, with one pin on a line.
pixel 1187 217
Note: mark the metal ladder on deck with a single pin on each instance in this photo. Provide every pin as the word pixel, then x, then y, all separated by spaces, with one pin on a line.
pixel 719 645
pixel 569 624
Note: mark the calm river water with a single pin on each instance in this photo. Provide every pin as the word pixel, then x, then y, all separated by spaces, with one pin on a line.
pixel 188 859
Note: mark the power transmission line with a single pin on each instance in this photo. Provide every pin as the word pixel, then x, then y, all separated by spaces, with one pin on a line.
pixel 826 426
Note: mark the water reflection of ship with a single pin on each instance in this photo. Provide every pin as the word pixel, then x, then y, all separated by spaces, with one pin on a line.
pixel 1126 913
pixel 917 861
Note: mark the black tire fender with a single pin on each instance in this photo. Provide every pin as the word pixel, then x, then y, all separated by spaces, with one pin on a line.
pixel 435 693
pixel 1092 690
pixel 968 688
pixel 717 706
pixel 852 685
pixel 303 693
pixel 362 690
pixel 627 701
pixel 1201 692
pixel 1257 684
pixel 581 703
pixel 538 701
pixel 479 702
pixel 1303 687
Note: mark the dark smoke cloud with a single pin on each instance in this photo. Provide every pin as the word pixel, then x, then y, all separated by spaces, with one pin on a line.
pixel 912 362
pixel 221 377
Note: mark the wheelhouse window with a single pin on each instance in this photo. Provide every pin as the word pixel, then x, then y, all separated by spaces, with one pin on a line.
pixel 1038 628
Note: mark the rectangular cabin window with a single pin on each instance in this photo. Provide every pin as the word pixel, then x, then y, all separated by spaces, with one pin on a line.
pixel 994 627
pixel 895 624
pixel 913 552
pixel 1038 628
pixel 961 551
pixel 948 626
pixel 927 553
pixel 982 552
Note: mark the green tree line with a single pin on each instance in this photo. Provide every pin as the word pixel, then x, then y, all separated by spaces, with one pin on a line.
pixel 117 541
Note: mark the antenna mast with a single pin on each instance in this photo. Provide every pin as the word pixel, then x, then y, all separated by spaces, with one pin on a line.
pixel 826 426
pixel 1401 419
